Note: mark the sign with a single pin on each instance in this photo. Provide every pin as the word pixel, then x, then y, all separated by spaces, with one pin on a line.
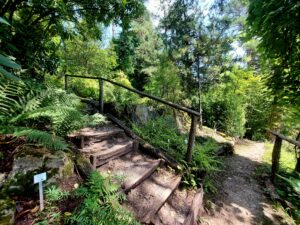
pixel 39 178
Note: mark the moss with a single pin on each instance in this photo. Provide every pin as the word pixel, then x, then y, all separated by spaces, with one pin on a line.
pixel 7 211
pixel 32 150
pixel 68 169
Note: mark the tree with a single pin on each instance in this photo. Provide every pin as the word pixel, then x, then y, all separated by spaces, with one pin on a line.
pixel 276 24
pixel 138 49
pixel 39 27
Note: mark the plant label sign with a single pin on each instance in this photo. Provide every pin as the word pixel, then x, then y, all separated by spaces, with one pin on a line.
pixel 39 178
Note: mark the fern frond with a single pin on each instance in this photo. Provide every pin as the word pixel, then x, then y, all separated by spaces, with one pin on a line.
pixel 36 136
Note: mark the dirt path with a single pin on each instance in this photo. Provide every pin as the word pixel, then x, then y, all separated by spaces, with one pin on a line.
pixel 241 199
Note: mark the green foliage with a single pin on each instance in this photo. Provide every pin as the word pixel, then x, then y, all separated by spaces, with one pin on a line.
pixel 41 27
pixel 276 24
pixel 86 58
pixel 101 203
pixel 164 82
pixel 138 48
pixel 54 194
pixel 224 110
pixel 288 182
pixel 5 61
pixel 41 114
pixel 162 134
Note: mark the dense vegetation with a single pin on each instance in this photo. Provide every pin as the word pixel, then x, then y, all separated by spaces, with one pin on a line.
pixel 235 62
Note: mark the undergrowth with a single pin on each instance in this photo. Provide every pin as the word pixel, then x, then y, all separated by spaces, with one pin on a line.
pixel 287 182
pixel 99 203
pixel 41 113
pixel 162 133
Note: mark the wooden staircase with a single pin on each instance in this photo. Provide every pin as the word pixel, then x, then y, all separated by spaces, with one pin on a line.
pixel 150 186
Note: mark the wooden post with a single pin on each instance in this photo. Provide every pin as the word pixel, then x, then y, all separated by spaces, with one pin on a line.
pixel 101 95
pixel 191 142
pixel 66 82
pixel 276 157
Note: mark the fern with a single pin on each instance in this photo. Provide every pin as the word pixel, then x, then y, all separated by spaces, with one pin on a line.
pixel 30 110
pixel 36 136
pixel 101 204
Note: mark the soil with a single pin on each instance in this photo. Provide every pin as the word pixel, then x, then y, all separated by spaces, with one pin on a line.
pixel 146 199
pixel 241 199
pixel 176 209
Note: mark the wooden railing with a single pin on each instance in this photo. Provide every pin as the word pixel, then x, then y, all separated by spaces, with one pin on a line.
pixel 277 149
pixel 193 114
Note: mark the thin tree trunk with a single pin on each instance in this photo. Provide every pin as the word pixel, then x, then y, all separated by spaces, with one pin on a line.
pixel 297 151
pixel 199 94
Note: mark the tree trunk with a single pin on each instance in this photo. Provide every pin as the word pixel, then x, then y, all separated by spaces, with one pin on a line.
pixel 297 168
pixel 297 151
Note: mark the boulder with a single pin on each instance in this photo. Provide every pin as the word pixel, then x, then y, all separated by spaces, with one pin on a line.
pixel 142 114
pixel 31 160
pixel 7 211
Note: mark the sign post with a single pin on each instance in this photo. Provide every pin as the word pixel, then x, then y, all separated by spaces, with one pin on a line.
pixel 39 178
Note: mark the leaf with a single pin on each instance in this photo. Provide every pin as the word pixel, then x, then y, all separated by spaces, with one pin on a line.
pixel 4 21
pixel 5 61
pixel 8 74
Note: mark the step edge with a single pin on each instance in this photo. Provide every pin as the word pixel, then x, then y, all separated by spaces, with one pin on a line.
pixel 144 176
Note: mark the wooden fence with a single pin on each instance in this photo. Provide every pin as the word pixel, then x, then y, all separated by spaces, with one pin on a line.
pixel 277 149
pixel 193 114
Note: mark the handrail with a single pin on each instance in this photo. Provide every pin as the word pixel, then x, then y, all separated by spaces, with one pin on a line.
pixel 174 105
pixel 297 143
pixel 277 149
pixel 193 114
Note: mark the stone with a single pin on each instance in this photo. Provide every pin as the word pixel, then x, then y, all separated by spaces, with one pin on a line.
pixel 32 160
pixel 7 211
pixel 62 163
pixel 143 114
pixel 2 179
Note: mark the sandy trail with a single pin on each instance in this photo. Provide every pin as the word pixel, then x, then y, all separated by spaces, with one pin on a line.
pixel 241 199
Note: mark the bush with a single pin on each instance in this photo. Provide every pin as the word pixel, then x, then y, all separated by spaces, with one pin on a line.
pixel 161 133
pixel 224 111
pixel 101 204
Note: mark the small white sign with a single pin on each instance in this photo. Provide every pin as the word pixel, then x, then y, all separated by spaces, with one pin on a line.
pixel 39 178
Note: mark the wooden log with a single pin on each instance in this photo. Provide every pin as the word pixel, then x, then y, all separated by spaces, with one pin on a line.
pixel 189 153
pixel 294 142
pixel 276 157
pixel 196 208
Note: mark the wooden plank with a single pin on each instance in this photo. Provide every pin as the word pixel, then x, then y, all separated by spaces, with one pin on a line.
pixel 113 151
pixel 133 183
pixel 94 132
pixel 276 157
pixel 197 205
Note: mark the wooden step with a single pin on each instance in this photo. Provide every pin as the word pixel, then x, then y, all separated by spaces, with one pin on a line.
pixel 148 197
pixel 103 155
pixel 90 134
pixel 176 210
pixel 133 168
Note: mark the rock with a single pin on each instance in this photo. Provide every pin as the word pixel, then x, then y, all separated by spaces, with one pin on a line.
pixel 7 211
pixel 143 114
pixel 32 160
pixel 2 179
pixel 61 163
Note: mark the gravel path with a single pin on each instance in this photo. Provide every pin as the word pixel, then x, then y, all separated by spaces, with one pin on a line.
pixel 241 199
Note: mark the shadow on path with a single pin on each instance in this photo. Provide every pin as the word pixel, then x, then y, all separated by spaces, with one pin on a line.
pixel 240 199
